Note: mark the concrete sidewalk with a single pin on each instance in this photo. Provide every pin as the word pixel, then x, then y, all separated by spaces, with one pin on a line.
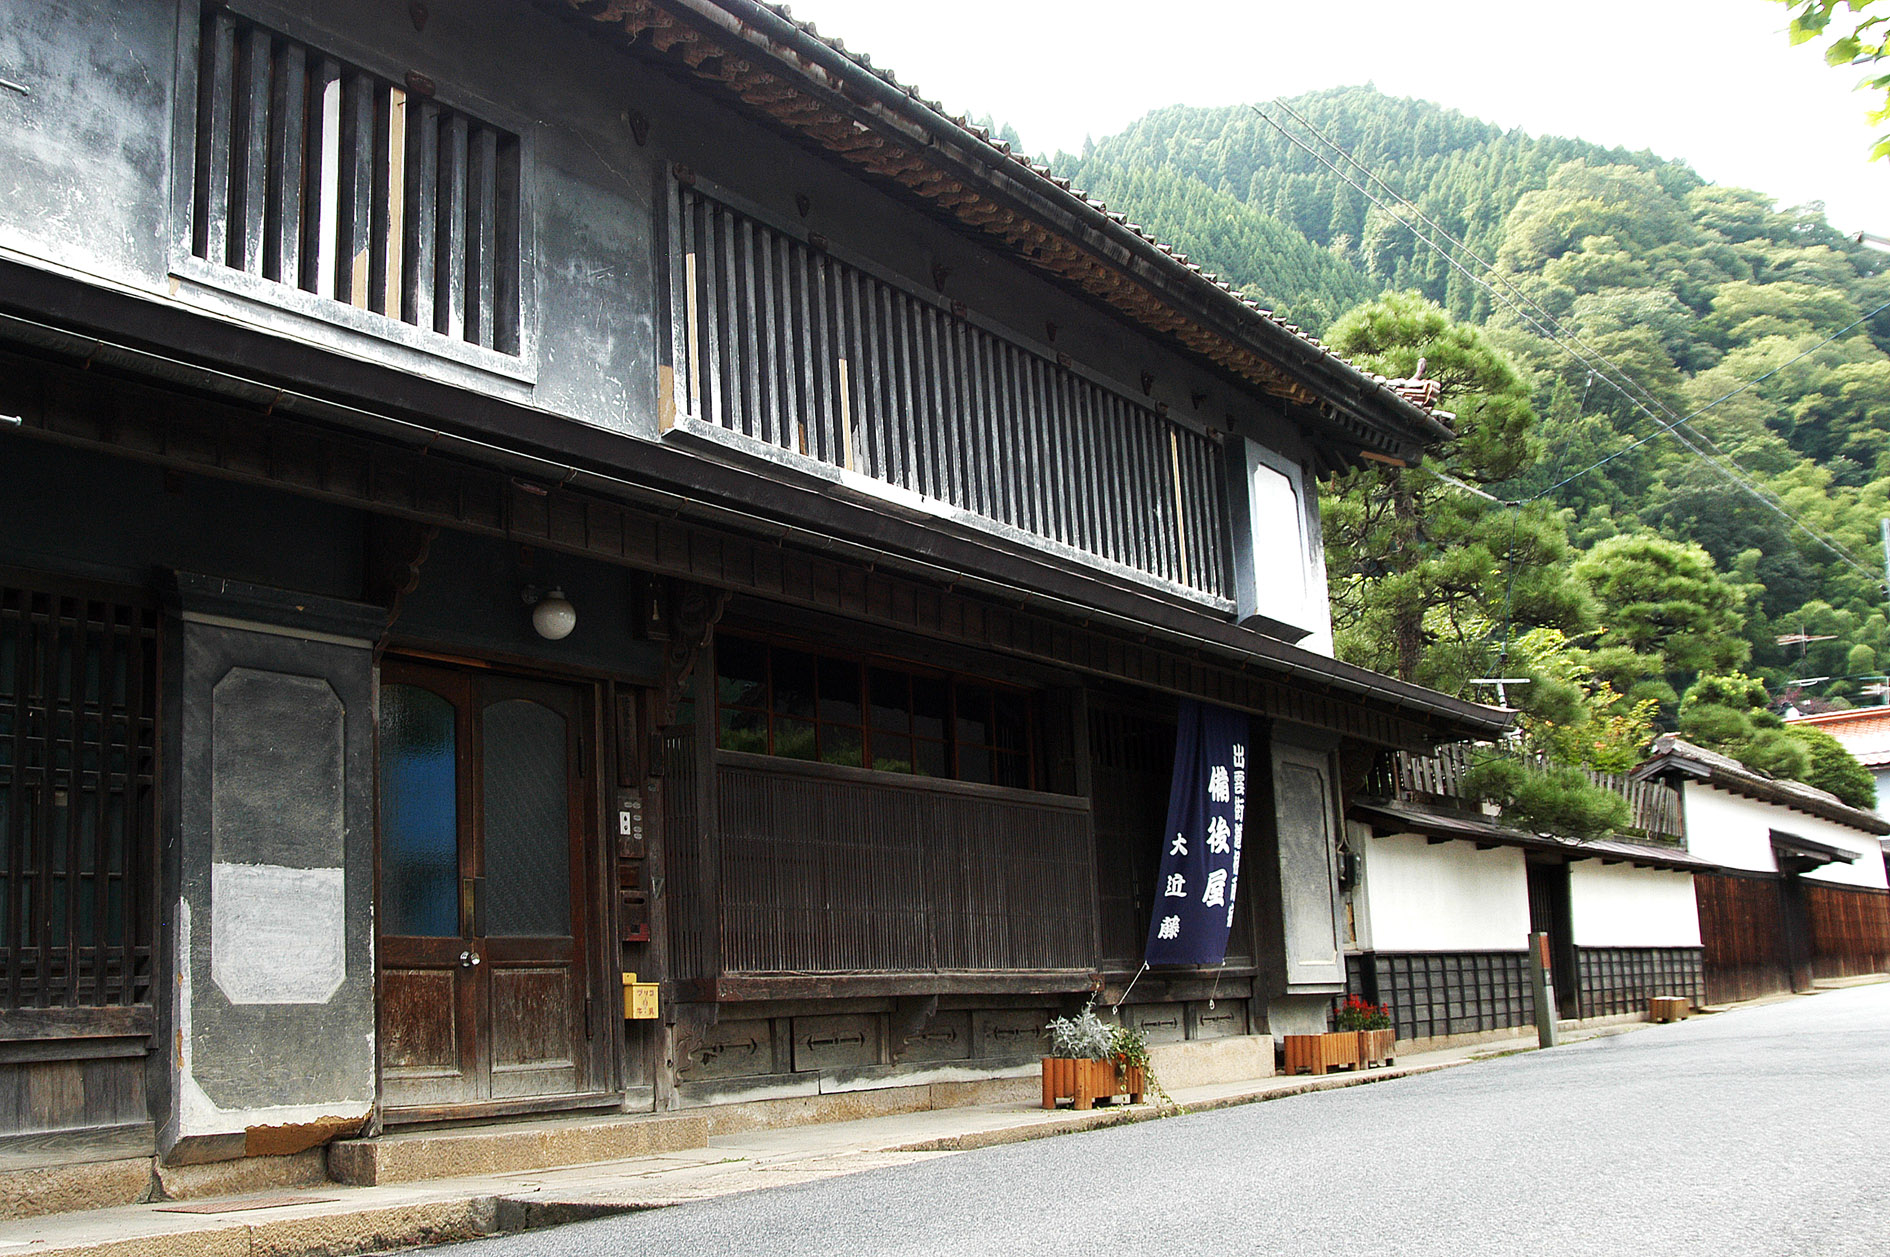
pixel 331 1219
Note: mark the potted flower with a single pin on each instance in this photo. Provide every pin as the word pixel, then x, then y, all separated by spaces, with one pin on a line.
pixel 1372 1024
pixel 1092 1060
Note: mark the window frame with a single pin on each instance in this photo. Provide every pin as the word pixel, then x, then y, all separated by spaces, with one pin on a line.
pixel 293 311
pixel 864 665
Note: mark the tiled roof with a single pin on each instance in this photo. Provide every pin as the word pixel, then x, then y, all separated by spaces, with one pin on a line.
pixel 914 142
pixel 1673 755
pixel 1439 823
pixel 1865 732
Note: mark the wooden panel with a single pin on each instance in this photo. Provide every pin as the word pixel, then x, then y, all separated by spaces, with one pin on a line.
pixel 419 1031
pixel 537 1025
pixel 945 407
pixel 822 874
pixel 731 1049
pixel 1850 929
pixel 1161 1023
pixel 1227 1017
pixel 1616 980
pixel 1438 993
pixel 1742 936
pixel 838 1042
pixel 1010 1031
pixel 78 676
pixel 947 1037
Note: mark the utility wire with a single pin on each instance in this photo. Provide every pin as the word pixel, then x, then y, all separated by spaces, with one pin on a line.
pixel 1549 328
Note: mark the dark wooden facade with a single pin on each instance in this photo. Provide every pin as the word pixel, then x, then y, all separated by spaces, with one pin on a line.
pixel 309 833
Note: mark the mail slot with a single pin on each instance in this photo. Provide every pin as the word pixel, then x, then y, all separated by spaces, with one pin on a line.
pixel 633 916
pixel 639 999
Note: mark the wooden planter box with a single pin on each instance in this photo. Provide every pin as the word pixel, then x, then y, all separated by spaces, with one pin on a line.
pixel 1374 1046
pixel 1316 1053
pixel 1083 1083
pixel 1668 1007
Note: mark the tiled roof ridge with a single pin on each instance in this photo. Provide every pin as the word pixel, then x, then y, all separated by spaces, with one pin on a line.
pixel 1671 746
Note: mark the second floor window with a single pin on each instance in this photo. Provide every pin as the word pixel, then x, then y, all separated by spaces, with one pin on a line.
pixel 319 175
pixel 799 704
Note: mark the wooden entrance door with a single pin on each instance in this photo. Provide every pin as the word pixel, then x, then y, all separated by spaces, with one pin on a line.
pixel 1550 912
pixel 485 989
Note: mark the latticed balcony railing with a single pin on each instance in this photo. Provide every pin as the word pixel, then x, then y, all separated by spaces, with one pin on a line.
pixel 1437 780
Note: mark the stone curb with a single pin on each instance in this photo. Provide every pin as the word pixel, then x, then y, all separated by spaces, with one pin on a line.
pixel 422 1224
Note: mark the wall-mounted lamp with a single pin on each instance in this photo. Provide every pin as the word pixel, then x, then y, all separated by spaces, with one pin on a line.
pixel 553 616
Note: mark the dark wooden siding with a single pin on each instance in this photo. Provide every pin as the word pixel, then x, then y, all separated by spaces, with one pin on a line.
pixel 781 341
pixel 1616 980
pixel 827 870
pixel 1850 929
pixel 1742 936
pixel 1439 993
pixel 691 953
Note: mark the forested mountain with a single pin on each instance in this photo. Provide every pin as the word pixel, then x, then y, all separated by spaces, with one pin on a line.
pixel 1630 296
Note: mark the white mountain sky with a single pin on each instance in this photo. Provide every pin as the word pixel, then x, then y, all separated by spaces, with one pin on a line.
pixel 1712 82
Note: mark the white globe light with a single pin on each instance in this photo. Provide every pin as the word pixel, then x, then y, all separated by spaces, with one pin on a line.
pixel 554 617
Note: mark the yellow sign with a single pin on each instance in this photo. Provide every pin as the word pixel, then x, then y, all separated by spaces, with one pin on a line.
pixel 639 999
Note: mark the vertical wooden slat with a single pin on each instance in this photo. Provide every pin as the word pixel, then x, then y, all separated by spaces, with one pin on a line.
pixel 756 360
pixel 249 150
pixel 215 91
pixel 772 422
pixel 356 228
pixel 421 197
pixel 507 331
pixel 383 279
pixel 729 323
pixel 392 283
pixel 321 225
pixel 449 252
pixel 288 129
pixel 482 176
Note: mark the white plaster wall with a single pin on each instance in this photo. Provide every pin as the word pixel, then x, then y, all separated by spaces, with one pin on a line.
pixel 1445 897
pixel 1618 905
pixel 1735 831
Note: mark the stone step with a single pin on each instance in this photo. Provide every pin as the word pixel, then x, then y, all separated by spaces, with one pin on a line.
pixel 511 1147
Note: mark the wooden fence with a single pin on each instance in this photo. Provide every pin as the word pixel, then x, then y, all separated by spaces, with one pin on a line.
pixel 1654 808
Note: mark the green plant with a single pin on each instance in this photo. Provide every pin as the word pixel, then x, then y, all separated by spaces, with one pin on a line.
pixel 1088 1037
pixel 1084 1037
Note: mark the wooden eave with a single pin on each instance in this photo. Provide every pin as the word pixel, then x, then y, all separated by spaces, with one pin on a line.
pixel 781 73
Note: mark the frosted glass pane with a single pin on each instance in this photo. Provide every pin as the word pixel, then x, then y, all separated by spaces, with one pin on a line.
pixel 528 838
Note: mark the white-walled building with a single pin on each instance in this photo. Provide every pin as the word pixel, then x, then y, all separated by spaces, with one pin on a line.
pixel 1799 889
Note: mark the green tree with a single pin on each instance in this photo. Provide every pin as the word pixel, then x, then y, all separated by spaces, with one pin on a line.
pixel 1666 614
pixel 1421 564
pixel 1835 769
pixel 1853 39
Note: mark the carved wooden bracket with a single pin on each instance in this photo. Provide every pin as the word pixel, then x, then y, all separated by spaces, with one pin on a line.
pixel 694 612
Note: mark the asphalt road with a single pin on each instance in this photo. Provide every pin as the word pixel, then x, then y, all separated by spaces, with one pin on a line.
pixel 1761 1131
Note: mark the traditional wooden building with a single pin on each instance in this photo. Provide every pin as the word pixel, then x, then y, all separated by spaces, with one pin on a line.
pixel 1441 896
pixel 501 497
pixel 1799 893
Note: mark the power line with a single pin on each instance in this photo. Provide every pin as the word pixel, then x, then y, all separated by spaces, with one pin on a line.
pixel 1546 325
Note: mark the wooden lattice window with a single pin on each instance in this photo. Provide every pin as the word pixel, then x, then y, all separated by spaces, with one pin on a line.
pixel 783 340
pixel 322 176
pixel 800 704
pixel 78 712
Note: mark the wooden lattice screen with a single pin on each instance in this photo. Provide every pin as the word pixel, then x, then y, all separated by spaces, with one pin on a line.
pixel 784 342
pixel 319 175
pixel 78 689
